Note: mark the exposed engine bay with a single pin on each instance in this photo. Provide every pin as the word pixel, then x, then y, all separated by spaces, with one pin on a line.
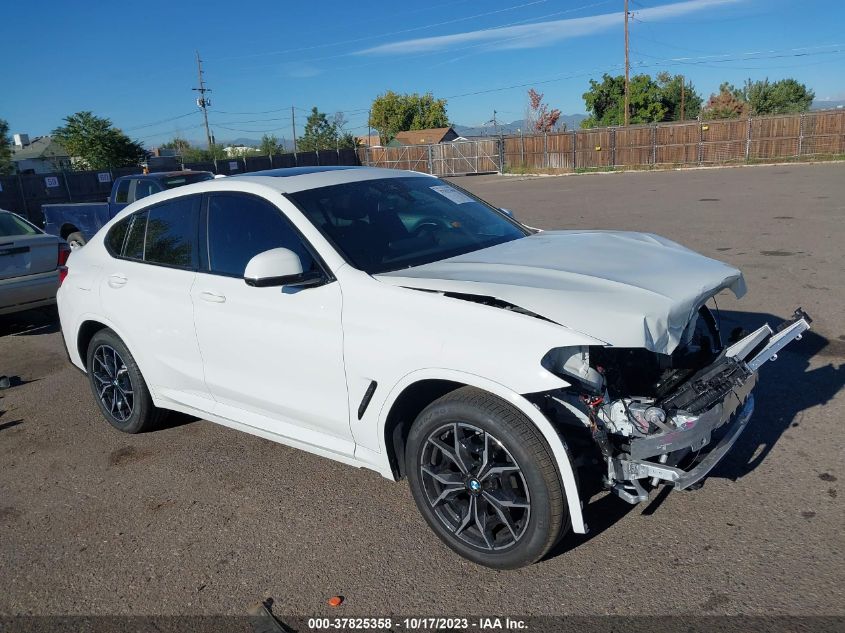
pixel 650 418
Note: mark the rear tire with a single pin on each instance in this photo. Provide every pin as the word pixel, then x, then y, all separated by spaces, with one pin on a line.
pixel 76 240
pixel 485 480
pixel 118 386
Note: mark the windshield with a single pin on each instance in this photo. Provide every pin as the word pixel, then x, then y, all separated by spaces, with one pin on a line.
pixel 393 223
pixel 178 181
pixel 11 225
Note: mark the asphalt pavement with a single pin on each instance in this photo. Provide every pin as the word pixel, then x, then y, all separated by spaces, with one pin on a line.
pixel 201 519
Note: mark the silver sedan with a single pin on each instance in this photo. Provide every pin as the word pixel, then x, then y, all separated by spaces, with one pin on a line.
pixel 31 263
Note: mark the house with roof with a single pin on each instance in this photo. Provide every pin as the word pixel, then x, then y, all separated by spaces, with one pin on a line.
pixel 41 155
pixel 372 140
pixel 425 137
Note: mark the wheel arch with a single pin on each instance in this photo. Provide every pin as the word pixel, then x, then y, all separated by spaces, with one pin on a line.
pixel 67 229
pixel 86 332
pixel 90 324
pixel 419 389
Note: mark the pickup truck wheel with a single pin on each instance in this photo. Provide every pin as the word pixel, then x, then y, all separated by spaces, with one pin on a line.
pixel 118 386
pixel 485 480
pixel 76 240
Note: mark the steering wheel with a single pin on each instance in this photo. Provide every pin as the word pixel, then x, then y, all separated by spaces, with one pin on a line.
pixel 427 227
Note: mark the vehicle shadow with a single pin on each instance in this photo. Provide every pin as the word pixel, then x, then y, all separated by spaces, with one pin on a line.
pixel 30 323
pixel 786 387
pixel 175 419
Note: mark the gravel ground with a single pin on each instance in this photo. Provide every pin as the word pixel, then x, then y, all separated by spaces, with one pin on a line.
pixel 200 519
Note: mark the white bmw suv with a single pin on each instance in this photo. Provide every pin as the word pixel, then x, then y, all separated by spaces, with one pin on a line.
pixel 392 321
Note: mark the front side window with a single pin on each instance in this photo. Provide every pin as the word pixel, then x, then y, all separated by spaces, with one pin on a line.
pixel 240 227
pixel 392 223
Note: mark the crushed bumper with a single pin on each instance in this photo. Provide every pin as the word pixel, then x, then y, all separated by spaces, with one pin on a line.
pixel 721 401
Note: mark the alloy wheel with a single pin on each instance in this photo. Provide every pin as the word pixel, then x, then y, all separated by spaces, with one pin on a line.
pixel 475 486
pixel 113 384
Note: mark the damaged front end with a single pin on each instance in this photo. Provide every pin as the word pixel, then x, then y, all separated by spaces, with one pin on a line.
pixel 646 418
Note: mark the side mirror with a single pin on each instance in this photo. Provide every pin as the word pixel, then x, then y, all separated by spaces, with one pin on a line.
pixel 508 213
pixel 278 267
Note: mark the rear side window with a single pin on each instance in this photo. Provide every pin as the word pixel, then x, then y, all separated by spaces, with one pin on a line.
pixel 134 248
pixel 145 188
pixel 171 233
pixel 240 227
pixel 164 234
pixel 116 236
pixel 187 179
pixel 122 194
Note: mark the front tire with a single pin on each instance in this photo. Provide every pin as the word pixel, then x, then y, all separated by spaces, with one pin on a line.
pixel 118 386
pixel 485 480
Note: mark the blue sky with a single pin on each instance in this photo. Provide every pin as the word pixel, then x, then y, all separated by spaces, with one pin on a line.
pixel 134 62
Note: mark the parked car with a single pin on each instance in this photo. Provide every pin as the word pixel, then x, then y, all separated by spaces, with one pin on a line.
pixel 78 222
pixel 392 321
pixel 31 264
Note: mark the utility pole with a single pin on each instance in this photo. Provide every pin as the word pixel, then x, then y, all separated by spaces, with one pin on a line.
pixel 627 64
pixel 293 127
pixel 202 102
pixel 683 95
pixel 369 129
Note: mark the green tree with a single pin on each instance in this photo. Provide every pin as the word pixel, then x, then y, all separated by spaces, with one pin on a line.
pixel 670 87
pixel 319 133
pixel 193 154
pixel 780 97
pixel 727 104
pixel 6 166
pixel 94 143
pixel 270 145
pixel 181 145
pixel 605 101
pixel 651 101
pixel 392 113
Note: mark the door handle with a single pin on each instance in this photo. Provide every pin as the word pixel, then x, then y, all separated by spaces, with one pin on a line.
pixel 117 280
pixel 212 297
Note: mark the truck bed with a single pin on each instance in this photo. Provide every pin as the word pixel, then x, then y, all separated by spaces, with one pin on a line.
pixel 87 217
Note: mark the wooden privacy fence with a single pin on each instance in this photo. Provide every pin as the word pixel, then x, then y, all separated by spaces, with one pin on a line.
pixel 694 142
pixel 690 143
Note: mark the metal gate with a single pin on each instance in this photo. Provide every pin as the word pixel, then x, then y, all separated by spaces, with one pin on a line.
pixel 442 159
pixel 466 157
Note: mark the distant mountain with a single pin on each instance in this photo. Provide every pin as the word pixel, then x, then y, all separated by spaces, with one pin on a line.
pixel 572 122
pixel 827 105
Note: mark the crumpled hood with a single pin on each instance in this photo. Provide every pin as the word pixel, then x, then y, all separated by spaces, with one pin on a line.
pixel 627 289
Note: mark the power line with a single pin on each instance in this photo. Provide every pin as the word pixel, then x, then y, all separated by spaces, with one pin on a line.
pixel 388 34
pixel 644 65
pixel 427 54
pixel 146 125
